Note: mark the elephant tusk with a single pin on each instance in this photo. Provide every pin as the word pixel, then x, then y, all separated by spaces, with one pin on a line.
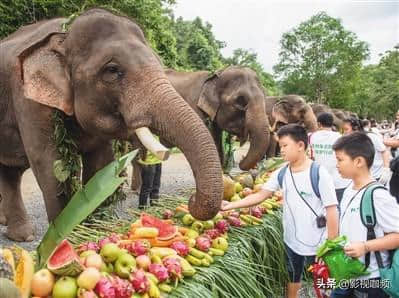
pixel 151 143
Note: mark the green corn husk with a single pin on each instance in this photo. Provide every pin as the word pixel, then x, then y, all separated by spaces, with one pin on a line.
pixel 83 203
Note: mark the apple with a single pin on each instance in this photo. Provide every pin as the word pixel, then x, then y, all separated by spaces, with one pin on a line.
pixel 42 283
pixel 197 226
pixel 110 252
pixel 191 242
pixel 220 243
pixel 191 234
pixel 87 253
pixel 237 187
pixel 82 293
pixel 65 287
pixel 124 265
pixel 188 219
pixel 217 217
pixel 143 261
pixel 89 278
pixel 209 224
pixel 236 197
pixel 95 261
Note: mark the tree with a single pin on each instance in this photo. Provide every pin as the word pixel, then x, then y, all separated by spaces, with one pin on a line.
pixel 197 47
pixel 250 59
pixel 321 60
pixel 151 15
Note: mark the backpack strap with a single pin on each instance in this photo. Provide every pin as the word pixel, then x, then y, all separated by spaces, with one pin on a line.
pixel 315 178
pixel 367 215
pixel 281 174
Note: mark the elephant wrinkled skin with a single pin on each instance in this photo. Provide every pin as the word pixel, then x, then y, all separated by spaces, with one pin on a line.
pixel 105 77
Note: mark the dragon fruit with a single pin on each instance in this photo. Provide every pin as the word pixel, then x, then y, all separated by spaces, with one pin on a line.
pixel 203 243
pixel 123 288
pixel 160 271
pixel 256 211
pixel 222 225
pixel 174 267
pixel 181 248
pixel 140 281
pixel 83 293
pixel 263 209
pixel 138 247
pixel 104 288
pixel 88 246
pixel 114 238
pixel 167 214
pixel 212 233
pixel 234 221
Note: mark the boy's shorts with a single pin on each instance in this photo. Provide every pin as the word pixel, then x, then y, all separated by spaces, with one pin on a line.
pixel 296 264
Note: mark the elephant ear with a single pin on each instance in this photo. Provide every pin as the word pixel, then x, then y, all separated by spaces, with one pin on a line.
pixel 209 100
pixel 44 75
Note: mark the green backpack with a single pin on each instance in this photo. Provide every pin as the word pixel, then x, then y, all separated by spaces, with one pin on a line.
pixel 367 214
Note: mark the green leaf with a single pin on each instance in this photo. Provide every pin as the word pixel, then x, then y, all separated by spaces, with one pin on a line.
pixel 60 171
pixel 83 203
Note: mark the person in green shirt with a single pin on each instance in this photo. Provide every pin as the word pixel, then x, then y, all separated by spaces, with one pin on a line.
pixel 151 178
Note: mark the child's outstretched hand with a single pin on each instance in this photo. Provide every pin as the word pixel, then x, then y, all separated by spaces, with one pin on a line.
pixel 225 205
pixel 355 249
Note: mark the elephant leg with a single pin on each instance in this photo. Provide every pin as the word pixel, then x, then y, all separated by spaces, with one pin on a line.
pixel 136 176
pixel 95 160
pixel 19 227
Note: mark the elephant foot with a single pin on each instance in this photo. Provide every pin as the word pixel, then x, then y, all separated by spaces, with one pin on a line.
pixel 21 232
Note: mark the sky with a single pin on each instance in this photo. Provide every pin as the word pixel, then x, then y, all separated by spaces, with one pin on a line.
pixel 260 24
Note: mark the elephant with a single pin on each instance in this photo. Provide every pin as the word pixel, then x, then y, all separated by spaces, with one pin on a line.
pixel 231 99
pixel 103 76
pixel 338 115
pixel 286 109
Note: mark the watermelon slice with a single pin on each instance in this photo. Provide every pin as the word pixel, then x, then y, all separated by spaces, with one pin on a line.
pixel 64 260
pixel 166 230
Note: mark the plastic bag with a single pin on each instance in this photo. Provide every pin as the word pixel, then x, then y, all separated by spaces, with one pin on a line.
pixel 340 266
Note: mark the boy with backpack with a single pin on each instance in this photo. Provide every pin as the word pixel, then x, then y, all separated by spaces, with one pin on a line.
pixel 369 215
pixel 310 203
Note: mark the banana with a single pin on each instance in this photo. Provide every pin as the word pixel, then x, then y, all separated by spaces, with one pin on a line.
pixel 196 253
pixel 216 252
pixel 193 260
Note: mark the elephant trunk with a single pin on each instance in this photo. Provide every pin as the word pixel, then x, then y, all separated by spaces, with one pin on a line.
pixel 257 126
pixel 174 120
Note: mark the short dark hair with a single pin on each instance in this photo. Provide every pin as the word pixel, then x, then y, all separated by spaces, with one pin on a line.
pixel 365 122
pixel 295 131
pixel 356 144
pixel 354 123
pixel 325 119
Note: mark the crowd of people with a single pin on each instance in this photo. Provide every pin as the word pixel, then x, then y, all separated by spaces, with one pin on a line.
pixel 364 156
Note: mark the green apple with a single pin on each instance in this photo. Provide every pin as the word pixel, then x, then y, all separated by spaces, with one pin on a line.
pixel 238 187
pixel 236 197
pixel 217 217
pixel 89 278
pixel 87 253
pixel 65 287
pixel 220 243
pixel 110 252
pixel 197 226
pixel 124 265
pixel 188 219
pixel 192 234
pixel 209 224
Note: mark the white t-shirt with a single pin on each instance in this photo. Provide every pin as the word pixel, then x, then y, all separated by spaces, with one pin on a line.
pixel 387 221
pixel 321 143
pixel 301 233
pixel 378 164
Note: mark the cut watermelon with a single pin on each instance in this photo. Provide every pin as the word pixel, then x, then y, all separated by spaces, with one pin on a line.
pixel 166 230
pixel 64 260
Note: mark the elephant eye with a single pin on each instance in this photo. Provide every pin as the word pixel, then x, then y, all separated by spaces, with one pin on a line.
pixel 112 73
pixel 241 103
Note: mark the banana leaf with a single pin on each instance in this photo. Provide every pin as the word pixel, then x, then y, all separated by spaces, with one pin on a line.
pixel 83 203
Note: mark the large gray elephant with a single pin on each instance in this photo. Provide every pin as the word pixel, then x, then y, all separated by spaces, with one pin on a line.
pixel 232 99
pixel 338 115
pixel 105 77
pixel 285 109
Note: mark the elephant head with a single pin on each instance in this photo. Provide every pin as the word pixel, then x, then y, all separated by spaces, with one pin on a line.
pixel 291 109
pixel 234 100
pixel 103 73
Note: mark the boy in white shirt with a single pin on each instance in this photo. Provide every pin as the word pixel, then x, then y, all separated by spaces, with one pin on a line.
pixel 321 143
pixel 355 154
pixel 302 209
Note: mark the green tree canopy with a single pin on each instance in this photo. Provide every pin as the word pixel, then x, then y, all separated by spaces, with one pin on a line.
pixel 321 60
pixel 250 59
